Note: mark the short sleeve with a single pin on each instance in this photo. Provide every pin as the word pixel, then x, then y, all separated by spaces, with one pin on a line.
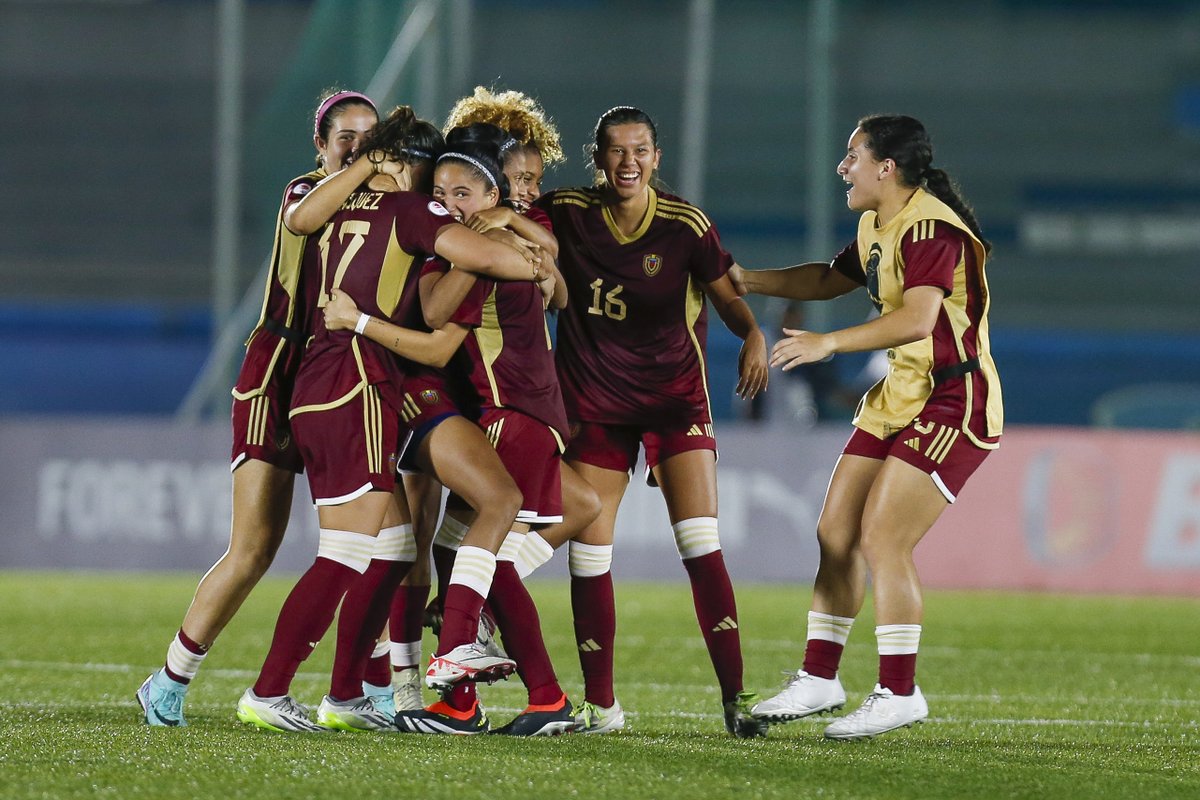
pixel 710 260
pixel 932 261
pixel 470 310
pixel 849 264
pixel 419 218
pixel 540 217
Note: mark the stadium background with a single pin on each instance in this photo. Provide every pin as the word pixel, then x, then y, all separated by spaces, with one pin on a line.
pixel 1074 128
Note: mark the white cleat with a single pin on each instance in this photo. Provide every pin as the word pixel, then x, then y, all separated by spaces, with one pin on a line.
pixel 407 685
pixel 358 714
pixel 591 718
pixel 881 712
pixel 485 636
pixel 803 696
pixel 275 714
pixel 467 662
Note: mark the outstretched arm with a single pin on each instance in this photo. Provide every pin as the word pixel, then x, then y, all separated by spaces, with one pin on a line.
pixel 911 322
pixel 812 281
pixel 737 316
pixel 310 212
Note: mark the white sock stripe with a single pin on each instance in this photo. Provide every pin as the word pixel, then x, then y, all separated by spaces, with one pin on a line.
pixel 474 568
pixel 696 537
pixel 383 648
pixel 406 654
pixel 897 640
pixel 451 533
pixel 181 661
pixel 354 550
pixel 511 549
pixel 534 552
pixel 589 560
pixel 396 543
pixel 828 627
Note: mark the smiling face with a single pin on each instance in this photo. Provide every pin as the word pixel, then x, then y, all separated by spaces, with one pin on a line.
pixel 628 159
pixel 524 167
pixel 348 126
pixel 459 188
pixel 863 173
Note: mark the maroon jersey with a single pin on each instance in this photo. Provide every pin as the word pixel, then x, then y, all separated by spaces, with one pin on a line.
pixel 372 250
pixel 276 344
pixel 510 357
pixel 631 340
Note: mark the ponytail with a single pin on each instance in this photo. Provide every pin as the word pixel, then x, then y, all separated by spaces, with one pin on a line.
pixel 939 184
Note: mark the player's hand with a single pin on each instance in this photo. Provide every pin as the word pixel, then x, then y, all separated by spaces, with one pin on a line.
pixel 489 218
pixel 546 287
pixel 382 163
pixel 341 314
pixel 801 347
pixel 752 366
pixel 737 276
pixel 532 253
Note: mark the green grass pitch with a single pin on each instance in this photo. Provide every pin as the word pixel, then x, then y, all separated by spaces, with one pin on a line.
pixel 1037 696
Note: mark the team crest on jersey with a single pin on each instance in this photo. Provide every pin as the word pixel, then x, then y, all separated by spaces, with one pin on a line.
pixel 429 396
pixel 282 440
pixel 651 264
pixel 874 256
pixel 302 189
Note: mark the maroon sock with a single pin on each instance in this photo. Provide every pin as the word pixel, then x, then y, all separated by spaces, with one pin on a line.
pixel 443 564
pixel 461 697
pixel 460 624
pixel 822 657
pixel 360 623
pixel 595 615
pixel 408 614
pixel 716 611
pixel 305 617
pixel 193 647
pixel 898 673
pixel 517 618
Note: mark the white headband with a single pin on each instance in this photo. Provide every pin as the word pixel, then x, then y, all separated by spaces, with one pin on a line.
pixel 478 165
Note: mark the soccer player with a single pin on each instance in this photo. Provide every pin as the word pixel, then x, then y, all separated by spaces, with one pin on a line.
pixel 921 431
pixel 638 264
pixel 508 361
pixel 346 409
pixel 265 459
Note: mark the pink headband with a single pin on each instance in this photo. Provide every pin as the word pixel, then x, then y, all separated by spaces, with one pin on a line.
pixel 334 99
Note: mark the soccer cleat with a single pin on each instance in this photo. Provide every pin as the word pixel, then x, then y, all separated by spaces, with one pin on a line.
pixel 442 718
pixel 881 712
pixel 467 662
pixel 381 697
pixel 591 718
pixel 161 700
pixel 803 696
pixel 275 714
pixel 359 714
pixel 552 720
pixel 738 719
pixel 486 636
pixel 407 683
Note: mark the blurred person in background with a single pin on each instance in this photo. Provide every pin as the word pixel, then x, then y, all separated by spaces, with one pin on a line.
pixel 265 458
pixel 638 264
pixel 921 431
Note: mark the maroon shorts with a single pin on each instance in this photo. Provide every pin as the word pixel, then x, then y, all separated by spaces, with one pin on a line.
pixel 942 452
pixel 616 446
pixel 349 449
pixel 531 452
pixel 424 402
pixel 261 431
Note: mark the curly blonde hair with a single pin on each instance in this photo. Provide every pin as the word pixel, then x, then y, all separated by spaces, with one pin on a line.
pixel 515 112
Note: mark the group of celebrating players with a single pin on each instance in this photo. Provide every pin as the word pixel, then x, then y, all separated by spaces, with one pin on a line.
pixel 404 333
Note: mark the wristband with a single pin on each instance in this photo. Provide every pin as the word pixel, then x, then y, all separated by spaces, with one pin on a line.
pixel 361 326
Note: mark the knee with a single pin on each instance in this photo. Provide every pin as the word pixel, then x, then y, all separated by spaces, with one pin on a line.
pixel 837 542
pixel 585 505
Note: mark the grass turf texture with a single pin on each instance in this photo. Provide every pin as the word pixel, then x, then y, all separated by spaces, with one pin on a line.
pixel 1030 696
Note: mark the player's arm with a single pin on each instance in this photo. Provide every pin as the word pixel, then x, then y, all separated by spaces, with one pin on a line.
pixel 737 316
pixel 911 322
pixel 499 253
pixel 523 226
pixel 442 293
pixel 811 281
pixel 433 349
pixel 310 212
